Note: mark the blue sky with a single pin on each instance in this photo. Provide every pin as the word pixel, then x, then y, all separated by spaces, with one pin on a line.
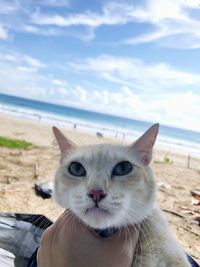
pixel 139 59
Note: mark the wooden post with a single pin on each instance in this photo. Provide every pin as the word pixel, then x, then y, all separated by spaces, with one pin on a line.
pixel 35 175
pixel 188 161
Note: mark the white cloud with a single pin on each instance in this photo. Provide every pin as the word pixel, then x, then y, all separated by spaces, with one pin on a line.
pixel 9 57
pixel 22 60
pixel 3 33
pixel 185 114
pixel 112 14
pixel 161 108
pixel 80 93
pixel 20 75
pixel 26 69
pixel 55 3
pixel 17 80
pixel 131 72
pixel 121 102
pixel 62 91
pixel 9 7
pixel 174 23
pixel 171 19
pixel 153 105
pixel 47 31
pixel 16 15
pixel 59 82
pixel 33 62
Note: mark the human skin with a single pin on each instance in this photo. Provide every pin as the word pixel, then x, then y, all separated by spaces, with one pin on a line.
pixel 70 243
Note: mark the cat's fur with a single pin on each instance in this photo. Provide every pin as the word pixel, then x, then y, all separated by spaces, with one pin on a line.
pixel 130 199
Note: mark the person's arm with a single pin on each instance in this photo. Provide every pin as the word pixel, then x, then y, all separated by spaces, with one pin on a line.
pixel 69 243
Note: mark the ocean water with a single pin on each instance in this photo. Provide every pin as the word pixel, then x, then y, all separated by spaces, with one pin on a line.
pixel 185 141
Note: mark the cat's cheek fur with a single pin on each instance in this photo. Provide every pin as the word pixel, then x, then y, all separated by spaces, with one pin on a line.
pixel 141 190
pixel 60 195
pixel 61 189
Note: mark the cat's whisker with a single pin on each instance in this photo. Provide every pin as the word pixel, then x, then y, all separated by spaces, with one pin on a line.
pixel 136 228
pixel 149 243
pixel 125 227
pixel 51 212
pixel 137 247
pixel 147 223
pixel 75 219
pixel 55 235
pixel 61 225
pixel 140 211
pixel 145 231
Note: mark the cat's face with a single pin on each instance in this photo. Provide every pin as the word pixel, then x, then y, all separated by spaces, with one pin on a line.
pixel 105 185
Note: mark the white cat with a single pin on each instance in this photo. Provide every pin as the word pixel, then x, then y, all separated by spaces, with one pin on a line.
pixel 110 185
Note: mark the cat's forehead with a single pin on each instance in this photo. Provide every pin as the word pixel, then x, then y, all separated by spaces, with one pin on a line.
pixel 101 151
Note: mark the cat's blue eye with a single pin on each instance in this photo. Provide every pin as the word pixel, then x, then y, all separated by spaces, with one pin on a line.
pixel 122 168
pixel 76 169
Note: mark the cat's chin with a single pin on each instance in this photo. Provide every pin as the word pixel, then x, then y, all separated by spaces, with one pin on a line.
pixel 96 217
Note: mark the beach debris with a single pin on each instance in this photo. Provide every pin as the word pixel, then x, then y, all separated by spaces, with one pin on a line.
pixel 195 202
pixel 167 159
pixel 196 197
pixel 162 186
pixel 44 189
pixel 19 133
pixel 15 153
pixel 158 162
pixel 194 219
pixel 186 211
pixel 98 134
pixel 197 219
pixel 188 216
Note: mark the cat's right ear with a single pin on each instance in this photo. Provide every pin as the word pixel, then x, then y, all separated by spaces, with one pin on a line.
pixel 64 143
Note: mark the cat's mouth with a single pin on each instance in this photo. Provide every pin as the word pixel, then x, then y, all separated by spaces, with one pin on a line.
pixel 96 210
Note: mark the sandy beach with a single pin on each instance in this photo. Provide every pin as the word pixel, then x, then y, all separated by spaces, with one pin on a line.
pixel 20 169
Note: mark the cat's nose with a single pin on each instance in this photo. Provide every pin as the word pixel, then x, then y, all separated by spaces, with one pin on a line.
pixel 97 195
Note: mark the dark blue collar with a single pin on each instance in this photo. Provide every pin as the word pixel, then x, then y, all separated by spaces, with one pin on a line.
pixel 106 232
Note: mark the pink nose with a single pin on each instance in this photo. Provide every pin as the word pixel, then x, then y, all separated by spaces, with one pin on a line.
pixel 97 195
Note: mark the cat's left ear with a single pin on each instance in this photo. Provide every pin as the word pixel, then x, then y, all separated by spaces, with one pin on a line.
pixel 64 143
pixel 143 147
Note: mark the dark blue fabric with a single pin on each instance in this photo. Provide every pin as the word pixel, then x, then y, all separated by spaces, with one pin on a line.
pixel 192 262
pixel 33 260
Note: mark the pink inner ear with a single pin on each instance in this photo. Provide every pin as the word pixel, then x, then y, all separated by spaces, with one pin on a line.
pixel 63 142
pixel 146 160
pixel 144 145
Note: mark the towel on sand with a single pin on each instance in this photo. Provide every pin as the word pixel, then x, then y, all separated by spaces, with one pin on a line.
pixel 19 237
